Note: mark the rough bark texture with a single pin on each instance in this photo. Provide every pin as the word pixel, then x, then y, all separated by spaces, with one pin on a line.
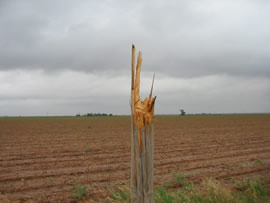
pixel 142 138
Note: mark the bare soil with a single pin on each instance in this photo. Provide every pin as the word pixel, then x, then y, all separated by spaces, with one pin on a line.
pixel 40 158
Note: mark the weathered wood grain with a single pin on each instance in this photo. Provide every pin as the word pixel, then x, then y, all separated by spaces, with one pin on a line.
pixel 142 138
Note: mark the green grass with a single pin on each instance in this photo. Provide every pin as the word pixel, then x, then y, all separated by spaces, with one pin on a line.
pixel 208 191
pixel 253 191
pixel 162 195
pixel 180 180
pixel 211 191
pixel 79 191
pixel 258 161
pixel 89 149
pixel 120 196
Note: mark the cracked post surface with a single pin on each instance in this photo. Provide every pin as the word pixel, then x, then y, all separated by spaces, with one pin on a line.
pixel 142 132
pixel 142 111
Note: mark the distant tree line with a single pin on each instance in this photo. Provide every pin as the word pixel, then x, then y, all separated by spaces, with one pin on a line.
pixel 93 114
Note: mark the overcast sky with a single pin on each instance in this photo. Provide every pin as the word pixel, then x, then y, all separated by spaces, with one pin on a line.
pixel 66 57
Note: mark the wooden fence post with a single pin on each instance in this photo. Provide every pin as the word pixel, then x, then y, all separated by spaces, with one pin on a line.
pixel 142 138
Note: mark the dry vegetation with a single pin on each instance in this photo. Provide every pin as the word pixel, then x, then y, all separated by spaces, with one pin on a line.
pixel 67 159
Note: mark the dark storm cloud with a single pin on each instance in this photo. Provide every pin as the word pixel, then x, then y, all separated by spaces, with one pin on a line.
pixel 177 38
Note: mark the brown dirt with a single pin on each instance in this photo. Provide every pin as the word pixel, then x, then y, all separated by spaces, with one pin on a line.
pixel 40 158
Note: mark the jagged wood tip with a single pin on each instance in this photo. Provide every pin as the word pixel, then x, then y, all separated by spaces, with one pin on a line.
pixel 142 111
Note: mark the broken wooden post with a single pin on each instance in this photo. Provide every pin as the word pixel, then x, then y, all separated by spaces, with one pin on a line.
pixel 142 138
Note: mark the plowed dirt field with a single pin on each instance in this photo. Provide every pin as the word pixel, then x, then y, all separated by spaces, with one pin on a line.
pixel 40 158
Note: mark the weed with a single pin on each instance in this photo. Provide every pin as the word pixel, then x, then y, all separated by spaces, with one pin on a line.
pixel 121 195
pixel 217 192
pixel 253 189
pixel 79 191
pixel 162 195
pixel 180 196
pixel 89 127
pixel 168 185
pixel 229 166
pixel 179 180
pixel 211 191
pixel 89 149
pixel 258 161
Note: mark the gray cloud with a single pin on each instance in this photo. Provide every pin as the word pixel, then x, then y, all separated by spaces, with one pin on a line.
pixel 67 57
pixel 186 38
pixel 69 93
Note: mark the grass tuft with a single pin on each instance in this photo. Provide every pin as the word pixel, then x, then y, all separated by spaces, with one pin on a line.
pixel 120 196
pixel 89 149
pixel 179 180
pixel 162 195
pixel 258 161
pixel 79 191
pixel 217 192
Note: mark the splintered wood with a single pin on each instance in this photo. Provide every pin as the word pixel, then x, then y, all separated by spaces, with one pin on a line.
pixel 142 137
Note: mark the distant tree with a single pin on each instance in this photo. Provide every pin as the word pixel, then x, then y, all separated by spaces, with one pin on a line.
pixel 78 115
pixel 182 112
